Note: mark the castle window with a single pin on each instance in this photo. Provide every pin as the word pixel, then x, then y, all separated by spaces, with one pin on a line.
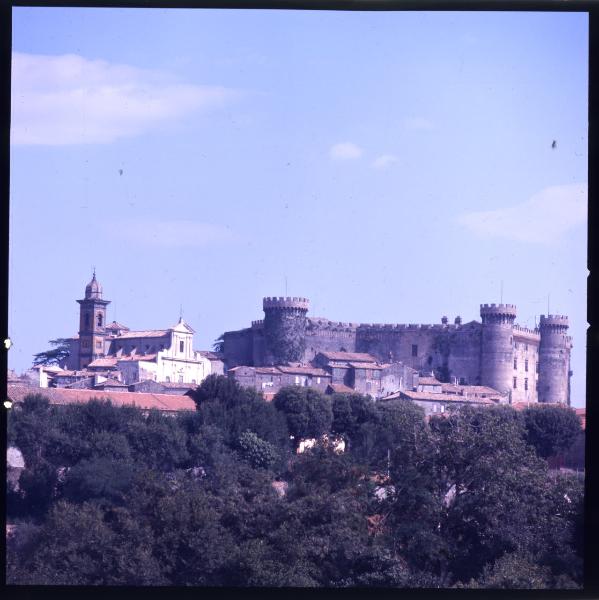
pixel 526 365
pixel 515 382
pixel 168 379
pixel 442 407
pixel 537 367
pixel 515 363
pixel 526 347
pixel 526 383
pixel 86 318
pixel 414 349
pixel 181 343
pixel 99 319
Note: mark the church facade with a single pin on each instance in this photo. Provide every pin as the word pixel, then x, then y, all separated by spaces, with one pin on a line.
pixel 161 355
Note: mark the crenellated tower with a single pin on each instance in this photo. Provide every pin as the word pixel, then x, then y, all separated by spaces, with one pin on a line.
pixel 554 360
pixel 284 329
pixel 92 323
pixel 497 345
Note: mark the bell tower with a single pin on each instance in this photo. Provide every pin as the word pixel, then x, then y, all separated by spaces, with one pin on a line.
pixel 92 323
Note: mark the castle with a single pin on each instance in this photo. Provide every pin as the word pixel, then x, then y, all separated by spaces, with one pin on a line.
pixel 529 365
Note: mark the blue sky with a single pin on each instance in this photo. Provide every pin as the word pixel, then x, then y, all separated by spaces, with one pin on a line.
pixel 392 167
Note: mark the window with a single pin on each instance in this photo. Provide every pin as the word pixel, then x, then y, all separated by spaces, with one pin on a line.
pixel 168 379
pixel 515 363
pixel 99 319
pixel 181 343
pixel 193 381
pixel 180 378
pixel 318 380
pixel 462 381
pixel 515 382
pixel 98 344
pixel 526 347
pixel 526 365
pixel 537 366
pixel 86 319
pixel 414 349
pixel 434 408
pixel 526 383
pixel 442 407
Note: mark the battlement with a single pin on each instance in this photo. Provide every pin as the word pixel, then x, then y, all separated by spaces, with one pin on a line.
pixel 285 302
pixel 498 313
pixel 498 309
pixel 406 327
pixel 554 322
pixel 257 324
pixel 526 333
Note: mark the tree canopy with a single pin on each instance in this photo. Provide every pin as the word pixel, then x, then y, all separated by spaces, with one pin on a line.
pixel 57 354
pixel 117 496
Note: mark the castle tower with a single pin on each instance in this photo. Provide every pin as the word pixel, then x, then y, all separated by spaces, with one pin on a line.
pixel 92 323
pixel 284 329
pixel 497 345
pixel 554 360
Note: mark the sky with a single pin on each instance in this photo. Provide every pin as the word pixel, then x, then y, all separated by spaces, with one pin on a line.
pixel 391 167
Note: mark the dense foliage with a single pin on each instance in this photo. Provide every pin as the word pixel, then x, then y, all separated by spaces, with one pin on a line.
pixel 220 497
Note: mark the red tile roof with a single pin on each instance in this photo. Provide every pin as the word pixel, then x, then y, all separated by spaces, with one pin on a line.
pixel 428 381
pixel 365 365
pixel 146 401
pixel 340 388
pixel 115 325
pixel 304 371
pixel 437 397
pixel 143 334
pixel 108 361
pixel 137 357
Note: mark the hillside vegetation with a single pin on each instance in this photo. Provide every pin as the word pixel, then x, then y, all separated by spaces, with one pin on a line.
pixel 113 496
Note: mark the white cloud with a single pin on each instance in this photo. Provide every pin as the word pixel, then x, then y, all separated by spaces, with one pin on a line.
pixel 543 218
pixel 418 123
pixel 345 151
pixel 171 234
pixel 68 99
pixel 385 161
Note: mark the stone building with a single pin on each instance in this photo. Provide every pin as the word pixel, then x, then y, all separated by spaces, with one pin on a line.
pixel 112 349
pixel 528 365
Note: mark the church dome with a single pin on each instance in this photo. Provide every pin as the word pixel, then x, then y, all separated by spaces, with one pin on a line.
pixel 93 289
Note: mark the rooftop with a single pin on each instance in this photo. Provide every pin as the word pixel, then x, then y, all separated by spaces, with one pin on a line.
pixel 432 397
pixel 146 401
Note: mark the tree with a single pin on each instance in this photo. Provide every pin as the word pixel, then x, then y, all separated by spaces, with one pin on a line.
pixel 551 429
pixel 382 429
pixel 219 343
pixel 99 478
pixel 84 545
pixel 56 355
pixel 308 412
pixel 492 484
pixel 257 452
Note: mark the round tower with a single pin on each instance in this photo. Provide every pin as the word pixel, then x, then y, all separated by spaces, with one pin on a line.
pixel 284 329
pixel 554 359
pixel 497 345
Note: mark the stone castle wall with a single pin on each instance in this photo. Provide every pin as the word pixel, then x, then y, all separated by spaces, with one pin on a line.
pixel 496 352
